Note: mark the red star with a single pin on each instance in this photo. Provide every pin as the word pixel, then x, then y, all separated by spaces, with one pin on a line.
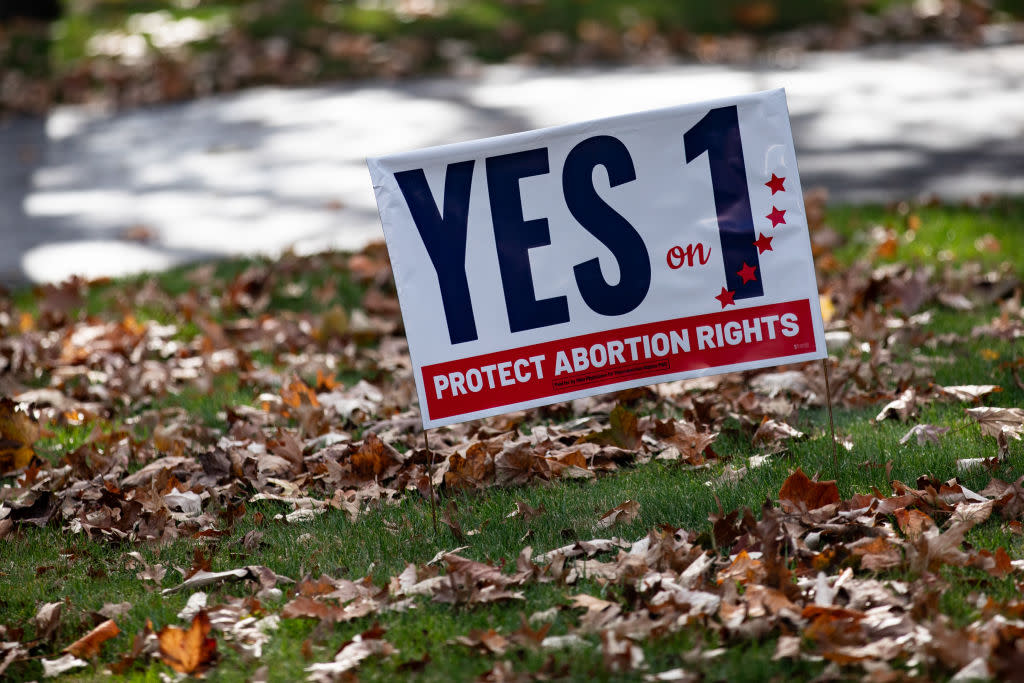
pixel 763 243
pixel 747 273
pixel 725 298
pixel 777 216
pixel 776 184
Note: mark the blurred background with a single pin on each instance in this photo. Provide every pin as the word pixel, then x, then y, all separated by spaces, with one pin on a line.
pixel 140 134
pixel 131 52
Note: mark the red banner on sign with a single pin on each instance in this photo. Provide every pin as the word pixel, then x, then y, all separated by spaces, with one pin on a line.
pixel 564 366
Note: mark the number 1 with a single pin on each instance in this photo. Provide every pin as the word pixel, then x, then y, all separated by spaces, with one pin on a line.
pixel 718 134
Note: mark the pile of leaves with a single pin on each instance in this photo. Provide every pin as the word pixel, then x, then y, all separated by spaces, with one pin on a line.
pixel 155 56
pixel 319 415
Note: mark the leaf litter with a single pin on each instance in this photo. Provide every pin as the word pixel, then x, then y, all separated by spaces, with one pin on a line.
pixel 805 569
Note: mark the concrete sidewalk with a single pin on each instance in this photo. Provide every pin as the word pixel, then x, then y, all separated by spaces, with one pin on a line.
pixel 268 169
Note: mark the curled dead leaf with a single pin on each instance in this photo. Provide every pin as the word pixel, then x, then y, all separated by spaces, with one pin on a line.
pixel 622 513
pixel 88 646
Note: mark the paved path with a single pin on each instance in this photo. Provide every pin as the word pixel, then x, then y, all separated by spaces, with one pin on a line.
pixel 268 169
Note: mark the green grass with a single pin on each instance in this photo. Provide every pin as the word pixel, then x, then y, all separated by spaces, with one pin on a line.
pixel 47 565
pixel 939 235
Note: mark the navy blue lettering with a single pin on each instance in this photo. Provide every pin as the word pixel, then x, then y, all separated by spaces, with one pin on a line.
pixel 718 134
pixel 445 240
pixel 515 236
pixel 607 225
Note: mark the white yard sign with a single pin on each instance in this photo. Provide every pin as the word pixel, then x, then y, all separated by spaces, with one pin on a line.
pixel 559 263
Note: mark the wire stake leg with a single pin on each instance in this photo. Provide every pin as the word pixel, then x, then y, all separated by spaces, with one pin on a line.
pixel 831 421
pixel 430 479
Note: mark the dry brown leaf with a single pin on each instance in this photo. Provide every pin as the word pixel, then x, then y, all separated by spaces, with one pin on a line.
pixel 623 513
pixel 744 569
pixel 489 641
pixel 970 393
pixel 525 512
pixel 997 421
pixel 799 491
pixel 1009 498
pixel 694 445
pixel 188 650
pixel 622 431
pixel 374 459
pixel 366 644
pixel 47 619
pixel 924 434
pixel 88 646
pixel 775 431
pixel 903 408
pixel 18 434
pixel 913 522
pixel 876 554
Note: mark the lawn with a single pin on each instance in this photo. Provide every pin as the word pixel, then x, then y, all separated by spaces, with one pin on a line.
pixel 219 470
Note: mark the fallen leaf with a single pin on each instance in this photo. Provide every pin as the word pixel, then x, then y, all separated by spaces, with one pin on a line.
pixel 775 431
pixel 902 408
pixel 743 569
pixel 47 619
pixel 18 434
pixel 366 644
pixel 88 646
pixel 999 421
pixel 525 512
pixel 800 491
pixel 913 523
pixel 970 393
pixel 189 650
pixel 489 641
pixel 621 432
pixel 621 513
pixel 55 667
pixel 201 578
pixel 924 434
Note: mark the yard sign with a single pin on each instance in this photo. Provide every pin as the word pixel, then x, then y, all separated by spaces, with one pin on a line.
pixel 560 263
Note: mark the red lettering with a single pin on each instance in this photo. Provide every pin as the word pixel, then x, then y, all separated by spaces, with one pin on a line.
pixel 677 257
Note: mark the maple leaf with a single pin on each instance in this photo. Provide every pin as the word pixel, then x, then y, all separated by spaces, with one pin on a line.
pixel 189 650
pixel 924 433
pixel 1009 498
pixel 693 444
pixel 518 463
pixel 622 431
pixel 88 646
pixel 18 434
pixel 473 470
pixel 913 523
pixel 800 492
pixel 996 422
pixel 374 459
pixel 932 549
